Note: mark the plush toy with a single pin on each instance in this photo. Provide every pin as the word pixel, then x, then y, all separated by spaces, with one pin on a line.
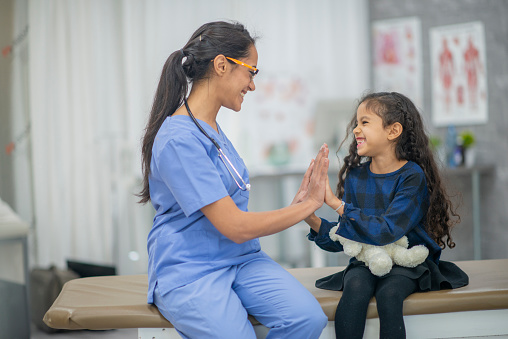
pixel 380 259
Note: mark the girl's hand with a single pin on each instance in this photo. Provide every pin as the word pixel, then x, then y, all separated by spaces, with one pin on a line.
pixel 330 197
pixel 302 192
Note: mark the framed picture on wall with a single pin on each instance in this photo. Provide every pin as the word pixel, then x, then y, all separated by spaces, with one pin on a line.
pixel 397 58
pixel 459 74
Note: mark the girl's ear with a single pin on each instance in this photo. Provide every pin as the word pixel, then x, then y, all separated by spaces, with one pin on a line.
pixel 220 65
pixel 394 131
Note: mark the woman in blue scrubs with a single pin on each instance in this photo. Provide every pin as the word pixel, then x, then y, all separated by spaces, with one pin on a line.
pixel 206 269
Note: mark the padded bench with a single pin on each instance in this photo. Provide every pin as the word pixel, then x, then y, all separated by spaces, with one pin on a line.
pixel 479 309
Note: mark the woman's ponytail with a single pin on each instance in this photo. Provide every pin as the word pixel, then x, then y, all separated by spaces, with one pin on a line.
pixel 169 95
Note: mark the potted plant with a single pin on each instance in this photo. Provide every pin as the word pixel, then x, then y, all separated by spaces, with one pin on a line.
pixel 467 138
pixel 467 141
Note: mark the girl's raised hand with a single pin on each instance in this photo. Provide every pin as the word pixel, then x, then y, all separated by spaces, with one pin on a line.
pixel 330 197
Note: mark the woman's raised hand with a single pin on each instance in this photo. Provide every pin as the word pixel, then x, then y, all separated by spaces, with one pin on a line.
pixel 318 178
pixel 302 192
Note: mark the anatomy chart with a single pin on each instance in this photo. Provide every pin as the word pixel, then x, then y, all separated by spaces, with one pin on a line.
pixel 398 58
pixel 459 75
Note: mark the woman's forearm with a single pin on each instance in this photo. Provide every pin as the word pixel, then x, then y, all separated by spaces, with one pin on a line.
pixel 241 226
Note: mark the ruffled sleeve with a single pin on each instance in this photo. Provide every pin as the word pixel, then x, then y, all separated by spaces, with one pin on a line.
pixel 322 239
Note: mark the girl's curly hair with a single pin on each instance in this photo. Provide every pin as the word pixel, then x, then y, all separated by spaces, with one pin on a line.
pixel 413 145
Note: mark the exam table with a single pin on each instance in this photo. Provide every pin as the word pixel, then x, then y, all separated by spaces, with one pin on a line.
pixel 479 309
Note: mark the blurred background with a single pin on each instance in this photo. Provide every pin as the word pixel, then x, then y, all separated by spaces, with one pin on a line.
pixel 77 80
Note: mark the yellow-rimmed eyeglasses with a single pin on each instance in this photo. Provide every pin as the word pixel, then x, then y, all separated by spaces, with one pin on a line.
pixel 253 70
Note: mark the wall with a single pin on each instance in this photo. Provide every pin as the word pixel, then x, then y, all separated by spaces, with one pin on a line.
pixel 492 137
pixel 15 166
pixel 6 18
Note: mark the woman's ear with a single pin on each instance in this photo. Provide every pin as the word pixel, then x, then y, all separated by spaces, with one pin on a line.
pixel 394 131
pixel 220 65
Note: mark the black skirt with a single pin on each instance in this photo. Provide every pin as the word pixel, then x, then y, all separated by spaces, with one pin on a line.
pixel 430 276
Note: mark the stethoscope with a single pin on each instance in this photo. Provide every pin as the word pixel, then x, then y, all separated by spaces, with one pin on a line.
pixel 222 156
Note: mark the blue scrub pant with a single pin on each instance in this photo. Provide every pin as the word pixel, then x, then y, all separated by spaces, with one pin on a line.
pixel 217 305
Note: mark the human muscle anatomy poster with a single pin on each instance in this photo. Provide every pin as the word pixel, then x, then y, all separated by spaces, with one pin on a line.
pixel 459 75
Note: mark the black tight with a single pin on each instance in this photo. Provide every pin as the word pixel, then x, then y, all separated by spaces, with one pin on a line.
pixel 359 287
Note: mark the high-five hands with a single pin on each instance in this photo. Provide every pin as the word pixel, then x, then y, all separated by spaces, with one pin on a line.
pixel 314 181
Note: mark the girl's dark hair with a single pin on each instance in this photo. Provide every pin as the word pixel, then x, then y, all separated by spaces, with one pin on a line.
pixel 190 64
pixel 413 145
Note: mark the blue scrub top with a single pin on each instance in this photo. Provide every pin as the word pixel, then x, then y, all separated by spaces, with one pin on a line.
pixel 186 175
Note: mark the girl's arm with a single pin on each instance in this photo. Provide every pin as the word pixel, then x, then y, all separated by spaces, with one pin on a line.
pixel 322 237
pixel 332 200
pixel 240 226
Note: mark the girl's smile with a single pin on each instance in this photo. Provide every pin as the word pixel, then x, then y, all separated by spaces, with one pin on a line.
pixel 359 142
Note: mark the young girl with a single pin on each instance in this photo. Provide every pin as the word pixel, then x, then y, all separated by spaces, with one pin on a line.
pixel 389 187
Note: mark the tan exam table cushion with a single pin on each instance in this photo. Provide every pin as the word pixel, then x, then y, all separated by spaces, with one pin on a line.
pixel 99 303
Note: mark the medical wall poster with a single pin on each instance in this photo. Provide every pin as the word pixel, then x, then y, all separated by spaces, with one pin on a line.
pixel 459 74
pixel 398 57
pixel 278 128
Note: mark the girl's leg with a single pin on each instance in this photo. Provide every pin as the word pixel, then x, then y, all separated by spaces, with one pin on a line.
pixel 390 295
pixel 206 308
pixel 351 314
pixel 278 300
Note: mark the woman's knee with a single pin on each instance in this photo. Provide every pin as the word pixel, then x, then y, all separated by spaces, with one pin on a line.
pixel 308 315
pixel 308 323
pixel 317 318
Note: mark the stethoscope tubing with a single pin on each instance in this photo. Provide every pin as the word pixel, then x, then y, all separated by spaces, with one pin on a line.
pixel 222 155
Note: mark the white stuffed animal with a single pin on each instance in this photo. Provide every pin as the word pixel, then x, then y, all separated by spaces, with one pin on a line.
pixel 380 259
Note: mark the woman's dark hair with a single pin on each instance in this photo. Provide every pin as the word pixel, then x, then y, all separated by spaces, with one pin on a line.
pixel 413 145
pixel 191 64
